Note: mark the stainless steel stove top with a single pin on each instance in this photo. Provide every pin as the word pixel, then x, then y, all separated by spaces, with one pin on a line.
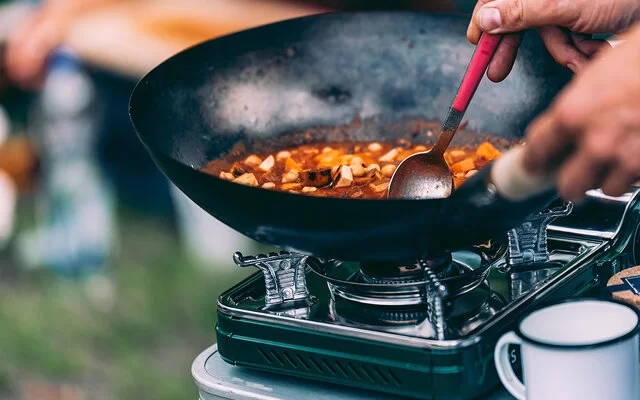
pixel 216 379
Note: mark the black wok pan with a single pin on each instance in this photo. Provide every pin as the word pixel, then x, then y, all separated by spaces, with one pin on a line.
pixel 260 85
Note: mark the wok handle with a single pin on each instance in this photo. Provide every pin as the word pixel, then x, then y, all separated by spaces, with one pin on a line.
pixel 513 182
pixel 475 71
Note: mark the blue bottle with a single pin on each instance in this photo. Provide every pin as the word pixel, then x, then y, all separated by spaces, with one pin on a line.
pixel 75 208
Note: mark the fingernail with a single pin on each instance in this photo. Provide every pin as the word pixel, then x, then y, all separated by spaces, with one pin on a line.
pixel 490 19
pixel 573 68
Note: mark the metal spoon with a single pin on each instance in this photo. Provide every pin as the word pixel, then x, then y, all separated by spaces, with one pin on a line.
pixel 426 175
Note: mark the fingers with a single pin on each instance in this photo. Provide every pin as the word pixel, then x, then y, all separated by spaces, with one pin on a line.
pixel 546 145
pixel 562 48
pixel 618 181
pixel 587 45
pixel 601 157
pixel 474 31
pixel 591 163
pixel 503 16
pixel 626 170
pixel 502 61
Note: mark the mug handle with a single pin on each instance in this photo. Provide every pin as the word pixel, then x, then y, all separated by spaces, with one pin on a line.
pixel 501 358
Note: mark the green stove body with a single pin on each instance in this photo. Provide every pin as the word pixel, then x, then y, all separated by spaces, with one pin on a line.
pixel 426 330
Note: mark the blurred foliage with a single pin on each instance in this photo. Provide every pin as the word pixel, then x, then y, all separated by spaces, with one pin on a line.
pixel 141 345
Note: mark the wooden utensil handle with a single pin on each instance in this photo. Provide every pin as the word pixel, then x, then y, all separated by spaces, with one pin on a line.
pixel 513 182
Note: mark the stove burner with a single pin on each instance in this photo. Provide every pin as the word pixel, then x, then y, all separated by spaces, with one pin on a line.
pixel 388 273
pixel 386 285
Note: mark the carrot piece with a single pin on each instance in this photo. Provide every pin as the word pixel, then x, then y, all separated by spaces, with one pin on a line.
pixel 290 164
pixel 487 151
pixel 463 166
pixel 448 159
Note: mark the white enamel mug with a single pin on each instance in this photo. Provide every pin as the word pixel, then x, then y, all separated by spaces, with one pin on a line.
pixel 581 349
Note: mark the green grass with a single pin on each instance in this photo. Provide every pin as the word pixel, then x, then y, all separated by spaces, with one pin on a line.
pixel 163 316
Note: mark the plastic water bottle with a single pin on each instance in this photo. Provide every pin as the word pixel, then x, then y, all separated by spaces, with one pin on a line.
pixel 74 216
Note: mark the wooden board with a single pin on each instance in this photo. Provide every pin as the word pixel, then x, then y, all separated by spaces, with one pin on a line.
pixel 134 37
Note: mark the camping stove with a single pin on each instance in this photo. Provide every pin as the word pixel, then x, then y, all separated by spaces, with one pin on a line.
pixel 428 329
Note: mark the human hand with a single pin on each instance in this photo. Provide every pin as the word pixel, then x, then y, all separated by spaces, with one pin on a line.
pixel 591 133
pixel 564 25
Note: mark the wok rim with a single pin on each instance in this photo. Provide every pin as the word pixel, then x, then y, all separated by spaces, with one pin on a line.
pixel 150 75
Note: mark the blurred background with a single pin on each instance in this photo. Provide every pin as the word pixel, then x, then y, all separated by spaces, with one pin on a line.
pixel 108 274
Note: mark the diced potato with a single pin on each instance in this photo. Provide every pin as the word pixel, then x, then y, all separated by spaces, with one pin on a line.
pixel 269 185
pixel 290 176
pixel 487 151
pixel 379 186
pixel 290 164
pixel 253 160
pixel 357 167
pixel 344 177
pixel 374 147
pixel 463 166
pixel 309 189
pixel 227 176
pixel 420 148
pixel 316 178
pixel 290 186
pixel 372 167
pixel 267 164
pixel 471 173
pixel 246 179
pixel 283 155
pixel 389 157
pixel 327 150
pixel 388 170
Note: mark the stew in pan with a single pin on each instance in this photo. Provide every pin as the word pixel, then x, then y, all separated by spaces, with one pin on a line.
pixel 341 169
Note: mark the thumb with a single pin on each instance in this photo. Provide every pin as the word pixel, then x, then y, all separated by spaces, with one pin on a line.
pixel 502 16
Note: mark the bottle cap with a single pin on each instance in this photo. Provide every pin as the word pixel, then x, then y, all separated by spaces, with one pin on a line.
pixel 63 58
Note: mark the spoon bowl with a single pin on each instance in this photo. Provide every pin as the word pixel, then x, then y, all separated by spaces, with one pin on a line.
pixel 424 175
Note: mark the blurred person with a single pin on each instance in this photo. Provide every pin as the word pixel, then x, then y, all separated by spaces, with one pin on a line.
pixel 35 38
pixel 45 29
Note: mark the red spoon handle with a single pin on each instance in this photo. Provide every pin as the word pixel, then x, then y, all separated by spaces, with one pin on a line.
pixel 477 67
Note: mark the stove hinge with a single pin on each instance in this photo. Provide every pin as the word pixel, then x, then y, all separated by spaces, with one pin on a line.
pixel 284 277
pixel 528 256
